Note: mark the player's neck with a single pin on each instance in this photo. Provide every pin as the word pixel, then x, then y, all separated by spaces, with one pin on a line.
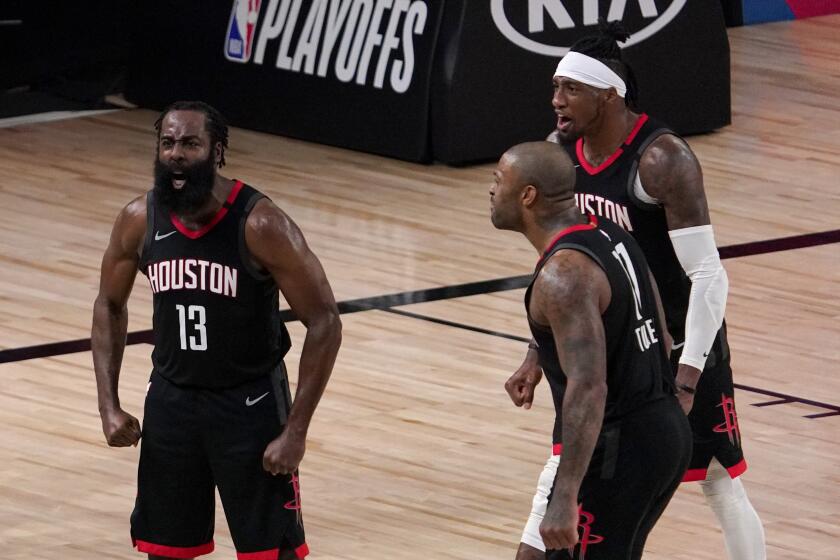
pixel 203 215
pixel 608 136
pixel 541 230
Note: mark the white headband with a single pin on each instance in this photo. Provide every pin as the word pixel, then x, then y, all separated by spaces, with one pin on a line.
pixel 590 71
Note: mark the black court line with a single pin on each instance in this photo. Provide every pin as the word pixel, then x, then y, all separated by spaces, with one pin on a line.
pixel 834 410
pixel 456 325
pixel 779 244
pixel 387 301
pixel 383 302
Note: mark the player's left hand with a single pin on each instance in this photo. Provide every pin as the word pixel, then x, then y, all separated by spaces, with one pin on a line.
pixel 559 528
pixel 284 453
pixel 687 376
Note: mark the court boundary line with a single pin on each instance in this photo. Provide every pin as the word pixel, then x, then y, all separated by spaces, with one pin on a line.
pixel 781 398
pixel 387 301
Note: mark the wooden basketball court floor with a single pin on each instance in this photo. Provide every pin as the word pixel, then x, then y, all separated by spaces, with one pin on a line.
pixel 415 451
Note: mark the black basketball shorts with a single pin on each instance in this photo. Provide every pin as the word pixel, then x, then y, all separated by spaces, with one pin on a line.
pixel 713 419
pixel 635 469
pixel 197 439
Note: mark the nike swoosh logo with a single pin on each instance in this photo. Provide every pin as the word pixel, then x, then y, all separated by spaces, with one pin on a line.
pixel 249 402
pixel 158 236
pixel 680 345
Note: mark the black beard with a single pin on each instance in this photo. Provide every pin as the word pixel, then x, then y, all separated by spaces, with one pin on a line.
pixel 196 191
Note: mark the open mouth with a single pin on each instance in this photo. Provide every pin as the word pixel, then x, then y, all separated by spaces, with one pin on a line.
pixel 179 180
pixel 563 123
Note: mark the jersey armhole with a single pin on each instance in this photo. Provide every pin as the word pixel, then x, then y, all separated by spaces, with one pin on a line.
pixel 652 203
pixel 150 228
pixel 244 253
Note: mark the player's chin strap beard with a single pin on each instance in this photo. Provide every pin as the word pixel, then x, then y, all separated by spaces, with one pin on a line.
pixel 590 71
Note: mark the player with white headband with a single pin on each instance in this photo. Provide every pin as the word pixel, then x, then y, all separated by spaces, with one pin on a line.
pixel 638 173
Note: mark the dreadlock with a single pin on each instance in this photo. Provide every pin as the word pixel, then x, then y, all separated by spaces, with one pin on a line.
pixel 214 122
pixel 604 47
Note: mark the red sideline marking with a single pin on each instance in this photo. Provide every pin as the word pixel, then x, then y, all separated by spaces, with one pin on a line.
pixel 174 551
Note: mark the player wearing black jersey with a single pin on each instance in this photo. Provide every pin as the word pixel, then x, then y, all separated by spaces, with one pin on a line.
pixel 637 173
pixel 595 317
pixel 218 409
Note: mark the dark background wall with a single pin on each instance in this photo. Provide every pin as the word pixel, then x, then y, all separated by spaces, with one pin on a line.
pixel 473 92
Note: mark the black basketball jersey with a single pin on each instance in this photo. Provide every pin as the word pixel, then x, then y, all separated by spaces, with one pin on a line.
pixel 216 315
pixel 638 372
pixel 607 190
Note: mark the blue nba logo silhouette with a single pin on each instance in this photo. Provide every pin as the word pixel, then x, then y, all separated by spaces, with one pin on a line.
pixel 240 32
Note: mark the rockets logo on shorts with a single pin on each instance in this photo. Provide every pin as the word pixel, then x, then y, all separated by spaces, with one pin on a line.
pixel 240 32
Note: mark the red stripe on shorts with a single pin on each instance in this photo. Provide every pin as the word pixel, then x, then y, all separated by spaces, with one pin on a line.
pixel 174 551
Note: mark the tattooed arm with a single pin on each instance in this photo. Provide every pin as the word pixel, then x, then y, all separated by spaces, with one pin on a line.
pixel 569 296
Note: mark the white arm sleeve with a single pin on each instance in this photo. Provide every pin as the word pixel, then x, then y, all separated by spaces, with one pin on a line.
pixel 696 250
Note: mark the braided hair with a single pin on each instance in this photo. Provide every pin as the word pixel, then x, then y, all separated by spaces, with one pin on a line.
pixel 604 47
pixel 214 122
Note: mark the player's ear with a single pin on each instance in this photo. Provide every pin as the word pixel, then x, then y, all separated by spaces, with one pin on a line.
pixel 528 195
pixel 218 153
pixel 611 95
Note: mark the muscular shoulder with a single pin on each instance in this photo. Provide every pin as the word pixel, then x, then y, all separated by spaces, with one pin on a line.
pixel 667 154
pixel 570 280
pixel 130 227
pixel 270 233
pixel 670 173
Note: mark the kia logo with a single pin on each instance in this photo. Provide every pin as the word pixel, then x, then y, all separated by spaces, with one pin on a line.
pixel 543 26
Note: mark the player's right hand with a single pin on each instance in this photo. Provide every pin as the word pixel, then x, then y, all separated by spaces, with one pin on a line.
pixel 121 429
pixel 520 386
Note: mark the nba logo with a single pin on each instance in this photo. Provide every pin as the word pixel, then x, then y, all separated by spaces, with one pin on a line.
pixel 240 32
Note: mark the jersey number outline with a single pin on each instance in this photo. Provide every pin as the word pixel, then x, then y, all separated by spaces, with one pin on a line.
pixel 623 257
pixel 198 316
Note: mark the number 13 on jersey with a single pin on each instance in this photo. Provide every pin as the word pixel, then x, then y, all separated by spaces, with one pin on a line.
pixel 198 317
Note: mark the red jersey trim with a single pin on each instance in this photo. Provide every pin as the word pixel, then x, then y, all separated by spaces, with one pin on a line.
pixel 196 233
pixel 174 551
pixel 593 223
pixel 557 449
pixel 589 168
pixel 736 470
pixel 643 118
pixel 271 554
